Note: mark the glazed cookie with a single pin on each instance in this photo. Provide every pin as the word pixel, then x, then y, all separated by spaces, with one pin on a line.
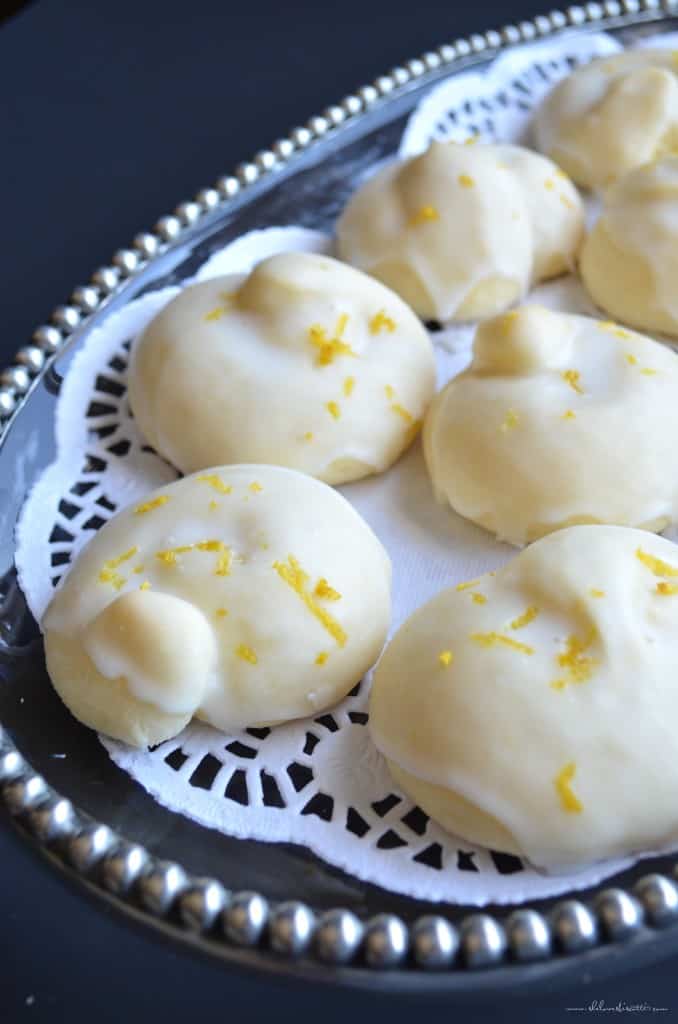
pixel 305 363
pixel 629 262
pixel 559 419
pixel 533 711
pixel 611 116
pixel 245 595
pixel 462 232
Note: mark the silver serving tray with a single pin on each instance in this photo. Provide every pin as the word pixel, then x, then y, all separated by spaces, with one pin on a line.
pixel 275 907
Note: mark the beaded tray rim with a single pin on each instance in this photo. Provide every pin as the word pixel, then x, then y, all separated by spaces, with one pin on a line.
pixel 432 954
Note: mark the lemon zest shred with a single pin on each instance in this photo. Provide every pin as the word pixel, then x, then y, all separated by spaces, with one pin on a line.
pixel 349 384
pixel 256 487
pixel 308 436
pixel 595 592
pixel 572 377
pixel 569 801
pixel 578 665
pixel 612 328
pixel 649 372
pixel 246 654
pixel 467 584
pixel 215 482
pixel 329 348
pixel 324 591
pixel 321 658
pixel 114 578
pixel 511 420
pixel 492 639
pixel 213 505
pixel 401 411
pixel 113 563
pixel 333 409
pixel 631 359
pixel 423 214
pixel 381 321
pixel 666 589
pixel 145 585
pixel 138 570
pixel 466 181
pixel 446 658
pixel 221 613
pixel 657 566
pixel 549 184
pixel 569 414
pixel 478 598
pixel 214 314
pixel 295 577
pixel 148 506
pixel 529 615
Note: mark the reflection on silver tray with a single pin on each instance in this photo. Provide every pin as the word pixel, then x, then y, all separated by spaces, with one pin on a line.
pixel 218 906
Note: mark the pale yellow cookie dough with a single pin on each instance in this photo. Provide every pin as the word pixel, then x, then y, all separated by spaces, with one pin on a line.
pixel 534 711
pixel 306 363
pixel 242 595
pixel 559 419
pixel 629 261
pixel 611 116
pixel 463 231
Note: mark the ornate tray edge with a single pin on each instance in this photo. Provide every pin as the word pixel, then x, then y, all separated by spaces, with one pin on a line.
pixel 239 926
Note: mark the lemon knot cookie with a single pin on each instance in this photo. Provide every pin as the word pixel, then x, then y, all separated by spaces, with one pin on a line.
pixel 534 711
pixel 611 116
pixel 245 595
pixel 559 419
pixel 305 363
pixel 629 261
pixel 463 231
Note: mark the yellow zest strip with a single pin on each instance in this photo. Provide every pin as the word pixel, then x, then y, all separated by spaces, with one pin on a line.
pixel 469 583
pixel 139 569
pixel 145 585
pixel 246 653
pixel 295 577
pixel 667 588
pixel 529 615
pixel 114 578
pixel 321 658
pixel 211 545
pixel 333 409
pixel 423 214
pixel 213 505
pixel 549 184
pixel 113 563
pixel 571 377
pixel 566 201
pixel 330 348
pixel 256 487
pixel 221 613
pixel 389 392
pixel 568 415
pixel 215 314
pixel 569 801
pixel 108 573
pixel 511 420
pixel 478 598
pixel 594 592
pixel 466 181
pixel 401 411
pixel 215 482
pixel 381 322
pixel 492 639
pixel 649 372
pixel 578 665
pixel 148 506
pixel 657 566
pixel 224 563
pixel 446 658
pixel 324 591
pixel 613 328
pixel 169 557
pixel 349 384
pixel 308 436
pixel 630 359
pixel 471 141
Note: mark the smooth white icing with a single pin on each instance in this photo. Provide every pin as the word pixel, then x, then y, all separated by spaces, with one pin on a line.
pixel 230 373
pixel 239 628
pixel 629 262
pixel 559 419
pixel 463 231
pixel 611 116
pixel 583 689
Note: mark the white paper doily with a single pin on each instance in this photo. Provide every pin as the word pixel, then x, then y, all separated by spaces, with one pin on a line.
pixel 319 782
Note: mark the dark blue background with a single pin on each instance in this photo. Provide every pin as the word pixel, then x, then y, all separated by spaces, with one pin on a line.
pixel 110 114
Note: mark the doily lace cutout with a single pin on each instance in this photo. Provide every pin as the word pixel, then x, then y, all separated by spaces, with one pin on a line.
pixel 318 782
